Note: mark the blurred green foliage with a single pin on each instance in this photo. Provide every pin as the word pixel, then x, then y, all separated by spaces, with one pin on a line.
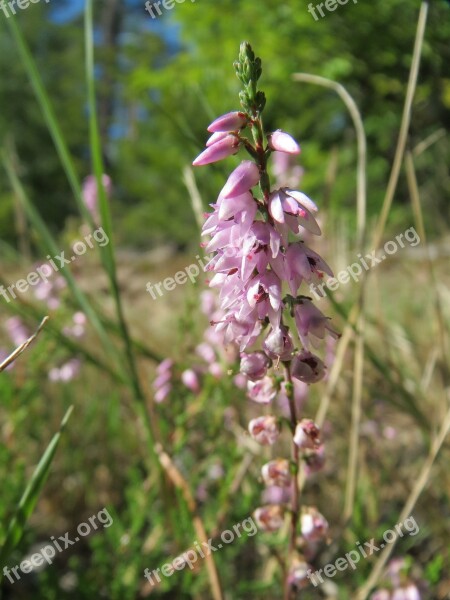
pixel 162 81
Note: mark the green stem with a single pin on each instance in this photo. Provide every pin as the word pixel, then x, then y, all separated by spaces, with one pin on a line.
pixel 295 457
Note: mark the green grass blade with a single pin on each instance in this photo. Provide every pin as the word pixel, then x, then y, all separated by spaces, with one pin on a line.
pixel 31 495
pixel 97 161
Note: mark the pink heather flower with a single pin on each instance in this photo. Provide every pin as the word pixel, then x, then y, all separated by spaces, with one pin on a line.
pixel 406 593
pixel 218 151
pixel 255 365
pixel 283 142
pixel 276 472
pixel 311 321
pixel 270 517
pixel 240 381
pixel 298 574
pixel 265 430
pixel 278 344
pixel 307 435
pixel 231 121
pixel 191 381
pixel 162 392
pixel 264 295
pixel 90 192
pixel 66 372
pixel 16 330
pixel 162 384
pixel 216 370
pixel 307 367
pixel 396 568
pixel 313 525
pixel 293 210
pixel 241 180
pixel 314 460
pixel 261 391
pixel 164 366
pixel 302 263
pixel 206 352
pixel 274 494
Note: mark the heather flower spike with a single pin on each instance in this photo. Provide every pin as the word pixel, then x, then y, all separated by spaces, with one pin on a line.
pixel 259 257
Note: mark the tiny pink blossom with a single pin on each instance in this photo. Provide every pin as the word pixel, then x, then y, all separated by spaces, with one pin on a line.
pixel 162 393
pixel 314 460
pixel 307 367
pixel 254 365
pixel 241 180
pixel 219 150
pixel 90 192
pixel 231 121
pixel 270 517
pixel 298 574
pixel 311 322
pixel 276 472
pixel 190 380
pixel 261 391
pixel 313 524
pixel 307 435
pixel 283 142
pixel 278 344
pixel 265 430
pixel 16 330
pixel 409 592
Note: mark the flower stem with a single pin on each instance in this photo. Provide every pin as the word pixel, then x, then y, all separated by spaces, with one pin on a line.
pixel 295 456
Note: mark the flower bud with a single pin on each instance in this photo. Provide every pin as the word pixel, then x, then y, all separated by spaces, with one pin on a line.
pixel 283 142
pixel 306 435
pixel 313 524
pixel 406 593
pixel 190 380
pixel 215 137
pixel 255 365
pixel 265 430
pixel 314 460
pixel 261 391
pixel 276 472
pixel 231 121
pixel 278 344
pixel 226 147
pixel 269 517
pixel 243 178
pixel 307 367
pixel 298 574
